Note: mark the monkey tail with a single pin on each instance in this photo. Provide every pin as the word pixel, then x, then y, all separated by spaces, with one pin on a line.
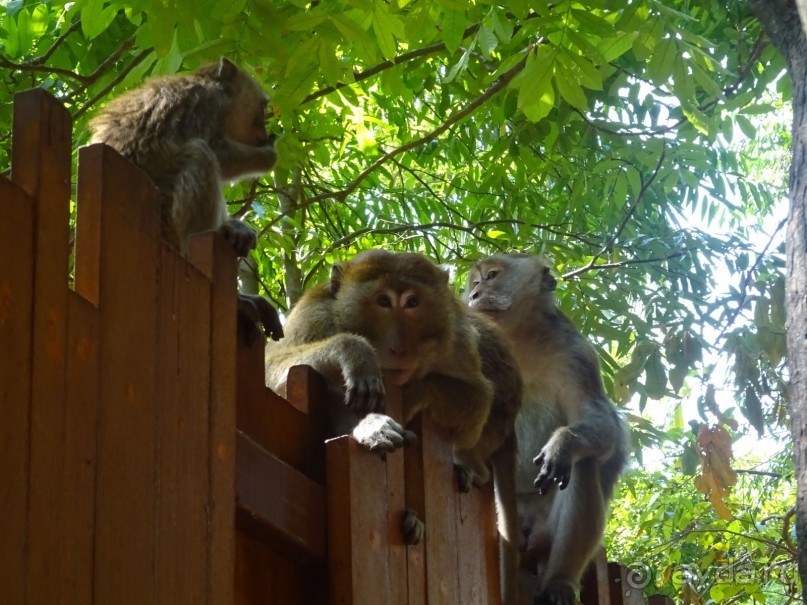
pixel 504 486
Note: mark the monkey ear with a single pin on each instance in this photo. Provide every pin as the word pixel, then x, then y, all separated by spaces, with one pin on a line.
pixel 548 282
pixel 336 278
pixel 227 71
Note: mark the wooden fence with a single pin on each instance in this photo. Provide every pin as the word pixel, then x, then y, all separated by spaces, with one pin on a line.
pixel 142 460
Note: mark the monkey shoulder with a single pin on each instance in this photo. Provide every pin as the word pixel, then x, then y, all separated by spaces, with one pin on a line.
pixel 311 319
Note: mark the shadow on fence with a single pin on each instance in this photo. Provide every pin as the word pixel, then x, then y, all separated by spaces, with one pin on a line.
pixel 141 457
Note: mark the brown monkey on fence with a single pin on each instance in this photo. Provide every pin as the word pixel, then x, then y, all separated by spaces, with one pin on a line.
pixel 189 133
pixel 566 419
pixel 394 314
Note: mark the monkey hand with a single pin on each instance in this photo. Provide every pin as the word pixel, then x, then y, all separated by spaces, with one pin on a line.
pixel 241 236
pixel 412 527
pixel 556 467
pixel 381 434
pixel 364 383
pixel 557 592
pixel 255 310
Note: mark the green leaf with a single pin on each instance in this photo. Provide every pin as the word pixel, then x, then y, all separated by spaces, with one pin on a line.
pixel 660 67
pixel 95 18
pixel 453 26
pixel 746 127
pixel 487 40
pixel 613 48
pixel 570 91
pixel 385 26
pixel 655 376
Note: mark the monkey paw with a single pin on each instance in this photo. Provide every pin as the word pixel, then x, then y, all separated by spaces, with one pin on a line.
pixel 381 434
pixel 241 236
pixel 468 477
pixel 557 592
pixel 412 527
pixel 255 310
pixel 555 469
pixel 364 394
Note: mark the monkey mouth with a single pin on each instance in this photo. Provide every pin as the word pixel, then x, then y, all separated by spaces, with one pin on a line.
pixel 398 376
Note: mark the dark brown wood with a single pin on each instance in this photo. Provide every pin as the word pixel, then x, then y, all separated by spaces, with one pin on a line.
pixel 16 311
pixel 182 431
pixel 294 436
pixel 416 500
pixel 277 504
pixel 396 502
pixel 77 499
pixel 477 546
pixel 126 529
pixel 358 538
pixel 41 167
pixel 263 576
pixel 216 259
pixel 659 599
pixel 594 588
pixel 615 584
pixel 440 491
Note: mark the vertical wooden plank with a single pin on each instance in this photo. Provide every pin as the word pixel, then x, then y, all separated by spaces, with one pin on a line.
pixel 477 547
pixel 440 490
pixel 77 499
pixel 357 524
pixel 128 270
pixel 16 311
pixel 396 501
pixel 182 432
pixel 41 167
pixel 594 589
pixel 216 259
pixel 615 584
pixel 416 500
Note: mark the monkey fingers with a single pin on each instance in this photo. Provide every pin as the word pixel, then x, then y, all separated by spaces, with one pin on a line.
pixel 557 592
pixel 554 470
pixel 381 434
pixel 365 395
pixel 412 527
pixel 254 309
pixel 241 236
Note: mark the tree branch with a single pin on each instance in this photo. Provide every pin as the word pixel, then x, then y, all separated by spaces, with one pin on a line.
pixel 498 85
pixel 645 186
pixel 372 71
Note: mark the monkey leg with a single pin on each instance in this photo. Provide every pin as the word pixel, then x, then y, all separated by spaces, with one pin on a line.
pixel 575 526
pixel 196 202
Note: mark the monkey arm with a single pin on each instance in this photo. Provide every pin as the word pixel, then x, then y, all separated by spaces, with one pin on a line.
pixel 346 361
pixel 597 434
pixel 461 405
pixel 237 160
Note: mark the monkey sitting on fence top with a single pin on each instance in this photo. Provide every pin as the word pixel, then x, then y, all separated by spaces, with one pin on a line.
pixel 566 425
pixel 189 133
pixel 395 314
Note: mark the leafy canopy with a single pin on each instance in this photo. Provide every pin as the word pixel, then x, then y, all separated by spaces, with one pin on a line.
pixel 635 144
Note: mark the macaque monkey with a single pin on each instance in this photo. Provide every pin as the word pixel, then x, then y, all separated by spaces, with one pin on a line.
pixel 566 418
pixel 189 133
pixel 394 315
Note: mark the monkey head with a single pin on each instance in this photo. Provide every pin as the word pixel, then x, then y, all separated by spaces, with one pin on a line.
pixel 401 303
pixel 245 118
pixel 515 283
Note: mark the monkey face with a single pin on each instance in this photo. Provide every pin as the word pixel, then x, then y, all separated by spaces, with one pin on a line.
pixel 246 118
pixel 487 287
pixel 404 304
pixel 509 288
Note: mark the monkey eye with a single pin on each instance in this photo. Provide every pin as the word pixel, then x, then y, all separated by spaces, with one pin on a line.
pixel 412 302
pixel 475 284
pixel 382 300
pixel 491 274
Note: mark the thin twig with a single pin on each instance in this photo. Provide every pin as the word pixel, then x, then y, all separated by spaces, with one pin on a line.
pixel 376 69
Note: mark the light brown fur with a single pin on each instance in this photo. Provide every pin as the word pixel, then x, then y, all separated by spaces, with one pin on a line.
pixel 565 419
pixel 395 314
pixel 189 133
